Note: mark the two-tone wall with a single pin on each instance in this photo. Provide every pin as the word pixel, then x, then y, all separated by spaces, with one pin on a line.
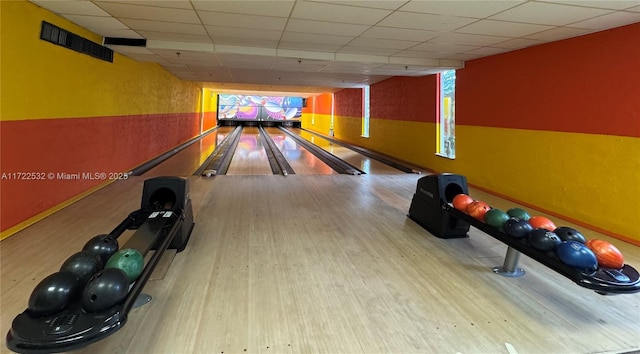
pixel 72 121
pixel 317 115
pixel 558 126
pixel 555 126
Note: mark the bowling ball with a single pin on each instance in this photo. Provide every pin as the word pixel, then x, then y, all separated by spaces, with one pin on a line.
pixel 543 239
pixel 129 260
pixel 105 289
pixel 461 202
pixel 102 245
pixel 518 213
pixel 577 255
pixel 569 234
pixel 84 264
pixel 54 293
pixel 496 218
pixel 517 228
pixel 477 209
pixel 607 254
pixel 540 222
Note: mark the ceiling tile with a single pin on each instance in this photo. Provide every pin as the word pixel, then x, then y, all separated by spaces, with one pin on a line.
pixel 611 20
pixel 157 26
pixel 139 12
pixel 422 54
pixel 367 50
pixel 323 27
pixel 337 13
pixel 485 51
pixel 558 33
pixel 120 33
pixel 502 28
pixel 309 46
pixel 242 21
pixel 303 66
pixel 444 47
pixel 315 38
pixel 247 42
pixel 130 49
pixel 548 14
pixel 468 39
pixel 424 21
pixel 181 37
pixel 376 4
pixel 97 23
pixel 275 8
pixel 399 34
pixel 601 4
pixel 462 8
pixel 382 43
pixel 72 7
pixel 462 56
pixel 517 43
pixel 236 32
pixel 177 4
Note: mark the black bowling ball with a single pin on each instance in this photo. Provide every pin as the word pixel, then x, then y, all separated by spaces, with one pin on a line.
pixel 102 245
pixel 517 228
pixel 568 234
pixel 106 289
pixel 54 293
pixel 543 239
pixel 84 264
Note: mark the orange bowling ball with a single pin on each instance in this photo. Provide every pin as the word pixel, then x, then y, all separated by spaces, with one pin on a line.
pixel 540 222
pixel 607 254
pixel 478 209
pixel 461 202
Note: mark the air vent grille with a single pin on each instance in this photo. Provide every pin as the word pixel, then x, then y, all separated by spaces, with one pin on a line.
pixel 56 35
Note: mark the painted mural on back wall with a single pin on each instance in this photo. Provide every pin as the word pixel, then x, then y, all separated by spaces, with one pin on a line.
pixel 259 107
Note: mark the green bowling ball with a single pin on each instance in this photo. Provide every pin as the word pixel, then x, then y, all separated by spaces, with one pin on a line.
pixel 128 260
pixel 496 218
pixel 519 213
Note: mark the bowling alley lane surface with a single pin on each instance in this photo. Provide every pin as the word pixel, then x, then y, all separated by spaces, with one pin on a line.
pixel 325 264
pixel 363 163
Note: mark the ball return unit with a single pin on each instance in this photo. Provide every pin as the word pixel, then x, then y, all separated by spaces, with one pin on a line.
pixel 164 221
pixel 431 208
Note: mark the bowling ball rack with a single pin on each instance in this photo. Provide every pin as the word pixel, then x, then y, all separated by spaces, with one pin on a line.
pixel 74 328
pixel 603 281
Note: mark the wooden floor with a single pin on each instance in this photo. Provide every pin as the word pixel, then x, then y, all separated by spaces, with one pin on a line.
pixel 325 264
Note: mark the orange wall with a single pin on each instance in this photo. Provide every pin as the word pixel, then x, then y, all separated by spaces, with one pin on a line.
pixel 317 115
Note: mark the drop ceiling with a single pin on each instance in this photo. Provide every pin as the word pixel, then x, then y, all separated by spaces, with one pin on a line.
pixel 310 47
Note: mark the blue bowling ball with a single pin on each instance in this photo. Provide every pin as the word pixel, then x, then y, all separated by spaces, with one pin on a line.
pixel 577 255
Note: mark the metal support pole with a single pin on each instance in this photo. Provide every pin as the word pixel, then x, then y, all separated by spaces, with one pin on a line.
pixel 510 266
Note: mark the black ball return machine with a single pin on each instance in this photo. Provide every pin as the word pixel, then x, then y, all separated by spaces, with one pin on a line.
pixel 164 221
pixel 431 208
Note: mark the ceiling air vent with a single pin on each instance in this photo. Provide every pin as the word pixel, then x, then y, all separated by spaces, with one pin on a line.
pixel 61 37
pixel 131 42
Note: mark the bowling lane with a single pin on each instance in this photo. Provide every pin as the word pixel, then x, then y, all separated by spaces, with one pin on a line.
pixel 364 163
pixel 187 161
pixel 250 158
pixel 301 160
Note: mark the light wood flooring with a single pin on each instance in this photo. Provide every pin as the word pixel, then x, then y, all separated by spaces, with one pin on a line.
pixel 326 264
